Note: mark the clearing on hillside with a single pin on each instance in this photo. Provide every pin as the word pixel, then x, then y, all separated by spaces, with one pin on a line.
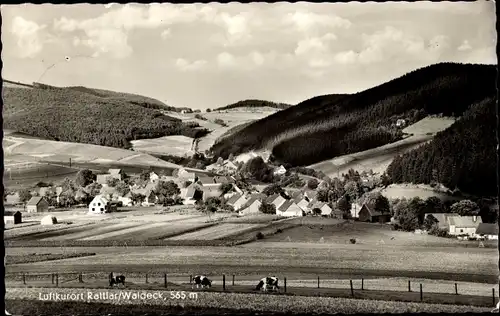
pixel 216 232
pixel 408 191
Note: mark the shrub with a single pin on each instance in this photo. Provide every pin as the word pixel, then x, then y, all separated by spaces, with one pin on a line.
pixel 220 122
pixel 260 235
pixel 200 117
pixel 352 240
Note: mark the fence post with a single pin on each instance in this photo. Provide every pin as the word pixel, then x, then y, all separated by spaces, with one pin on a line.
pixel 57 279
pixel 233 279
pixel 409 286
pixel 318 281
pixel 190 279
pixel 362 284
pixel 165 279
pixel 80 278
pixel 224 282
pixel 52 276
pixel 493 291
pixel 352 290
pixel 24 279
pixel 421 293
pixel 284 280
pixel 456 289
pixel 146 278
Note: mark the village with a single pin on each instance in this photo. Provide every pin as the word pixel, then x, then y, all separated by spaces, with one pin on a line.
pixel 233 189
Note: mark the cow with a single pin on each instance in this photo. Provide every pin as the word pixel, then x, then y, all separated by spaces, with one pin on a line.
pixel 266 283
pixel 497 308
pixel 116 280
pixel 201 281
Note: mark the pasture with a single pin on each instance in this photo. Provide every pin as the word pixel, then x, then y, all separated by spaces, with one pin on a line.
pixel 217 232
pixel 399 191
pixel 378 159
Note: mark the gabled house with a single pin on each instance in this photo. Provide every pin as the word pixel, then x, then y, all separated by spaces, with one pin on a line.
pixel 276 199
pixel 237 201
pixel 99 205
pixel 12 217
pixel 355 208
pixel 228 164
pixel 59 191
pixel 209 191
pixel 126 200
pixel 151 198
pixel 103 178
pixel 289 209
pixel 186 175
pixel 207 181
pixel 487 231
pixel 252 205
pixel 369 214
pixel 442 219
pixel 323 207
pixel 310 194
pixel 464 225
pixel 223 179
pixel 302 202
pixel 37 204
pixel 116 173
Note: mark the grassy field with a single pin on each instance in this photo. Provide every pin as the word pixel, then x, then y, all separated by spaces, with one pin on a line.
pixel 410 190
pixel 217 232
pixel 264 303
pixel 39 257
pixel 378 159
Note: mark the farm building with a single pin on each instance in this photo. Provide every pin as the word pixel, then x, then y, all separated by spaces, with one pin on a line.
pixel 369 214
pixel 355 208
pixel 151 198
pixel 325 209
pixel 59 191
pixel 252 205
pixel 207 181
pixel 463 225
pixel 336 213
pixel 117 173
pixel 48 220
pixel 37 204
pixel 126 200
pixel 103 178
pixel 12 217
pixel 302 202
pixel 209 192
pixel 276 199
pixel 488 231
pixel 280 171
pixel 442 219
pixel 191 194
pixel 310 194
pixel 237 201
pixel 99 205
pixel 289 209
pixel 223 179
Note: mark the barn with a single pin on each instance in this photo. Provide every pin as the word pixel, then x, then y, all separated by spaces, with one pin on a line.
pixel 369 214
pixel 37 204
pixel 99 205
pixel 289 209
pixel 12 217
pixel 488 231
pixel 252 205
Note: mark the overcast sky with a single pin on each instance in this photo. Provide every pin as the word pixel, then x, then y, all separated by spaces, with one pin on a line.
pixel 211 55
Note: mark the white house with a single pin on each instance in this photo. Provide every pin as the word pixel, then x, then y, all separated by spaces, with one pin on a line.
pixel 99 205
pixel 302 202
pixel 188 194
pixel 464 225
pixel 276 199
pixel 289 209
pixel 355 208
pixel 126 200
pixel 252 206
pixel 48 220
pixel 325 209
pixel 279 171
pixel 237 201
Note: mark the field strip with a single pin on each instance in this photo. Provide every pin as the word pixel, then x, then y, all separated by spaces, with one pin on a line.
pixel 216 232
pixel 129 157
pixel 95 231
pixel 161 232
pixel 250 301
pixel 127 230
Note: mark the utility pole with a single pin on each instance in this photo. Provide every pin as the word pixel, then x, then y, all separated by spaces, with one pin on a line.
pixel 70 162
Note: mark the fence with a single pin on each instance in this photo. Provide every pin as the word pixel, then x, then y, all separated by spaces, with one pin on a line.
pixel 355 288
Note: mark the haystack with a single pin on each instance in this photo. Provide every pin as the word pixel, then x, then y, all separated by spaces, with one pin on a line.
pixel 48 220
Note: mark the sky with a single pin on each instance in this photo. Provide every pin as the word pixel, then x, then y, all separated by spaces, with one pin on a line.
pixel 211 55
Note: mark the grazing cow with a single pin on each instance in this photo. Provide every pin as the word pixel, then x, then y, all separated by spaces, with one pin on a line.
pixel 201 281
pixel 266 283
pixel 116 280
pixel 497 308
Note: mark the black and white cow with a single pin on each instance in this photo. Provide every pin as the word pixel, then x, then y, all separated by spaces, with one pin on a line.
pixel 201 281
pixel 268 283
pixel 116 280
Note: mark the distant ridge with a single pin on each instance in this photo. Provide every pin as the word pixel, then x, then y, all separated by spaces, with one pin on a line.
pixel 15 84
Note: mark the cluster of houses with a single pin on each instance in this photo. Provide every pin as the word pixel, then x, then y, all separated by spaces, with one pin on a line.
pixel 465 226
pixel 291 204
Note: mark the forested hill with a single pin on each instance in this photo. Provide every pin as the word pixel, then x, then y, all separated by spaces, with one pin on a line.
pixel 254 104
pixel 462 156
pixel 328 126
pixel 83 115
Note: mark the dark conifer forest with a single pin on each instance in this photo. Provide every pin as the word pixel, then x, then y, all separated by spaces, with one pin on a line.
pixel 254 104
pixel 83 115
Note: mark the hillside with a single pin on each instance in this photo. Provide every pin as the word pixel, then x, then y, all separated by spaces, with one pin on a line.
pixel 254 104
pixel 83 115
pixel 329 126
pixel 462 156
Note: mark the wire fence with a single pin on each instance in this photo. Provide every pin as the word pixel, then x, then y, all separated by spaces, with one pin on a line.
pixel 436 291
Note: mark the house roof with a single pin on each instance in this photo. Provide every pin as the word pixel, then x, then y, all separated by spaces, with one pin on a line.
pixel 114 171
pixel 299 198
pixel 270 199
pixel 190 192
pixel 464 221
pixel 234 198
pixel 442 218
pixel 34 200
pixel 101 198
pixel 206 180
pixel 284 207
pixel 223 179
pixel 252 199
pixel 487 229
pixel 102 178
pixel 10 213
pixel 371 210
